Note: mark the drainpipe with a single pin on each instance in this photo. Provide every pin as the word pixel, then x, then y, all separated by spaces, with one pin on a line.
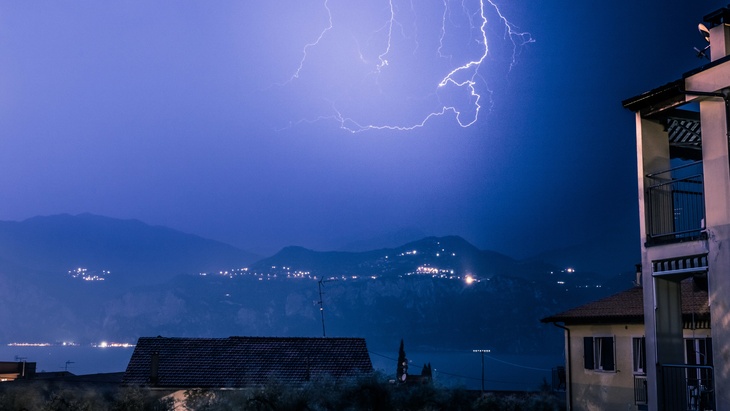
pixel 569 367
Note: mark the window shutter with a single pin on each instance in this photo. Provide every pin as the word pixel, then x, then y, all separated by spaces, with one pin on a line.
pixel 607 354
pixel 588 353
pixel 642 362
pixel 639 344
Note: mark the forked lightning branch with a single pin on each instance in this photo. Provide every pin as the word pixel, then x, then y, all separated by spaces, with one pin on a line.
pixel 461 88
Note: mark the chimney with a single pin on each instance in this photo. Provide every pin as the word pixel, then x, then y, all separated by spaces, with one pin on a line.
pixel 719 33
pixel 637 282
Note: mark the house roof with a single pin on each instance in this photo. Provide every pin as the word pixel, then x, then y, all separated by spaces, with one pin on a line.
pixel 627 307
pixel 239 362
pixel 667 96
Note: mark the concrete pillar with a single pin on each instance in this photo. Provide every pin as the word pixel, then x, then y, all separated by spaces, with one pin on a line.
pixel 716 167
pixel 652 155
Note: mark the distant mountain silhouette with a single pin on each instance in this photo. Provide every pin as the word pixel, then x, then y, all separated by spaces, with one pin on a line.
pixel 388 240
pixel 130 249
pixel 165 282
pixel 450 252
pixel 609 255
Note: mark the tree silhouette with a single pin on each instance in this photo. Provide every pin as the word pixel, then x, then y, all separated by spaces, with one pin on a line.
pixel 402 369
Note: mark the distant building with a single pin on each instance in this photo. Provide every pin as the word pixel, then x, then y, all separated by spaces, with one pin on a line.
pixel 11 371
pixel 606 360
pixel 174 364
pixel 684 208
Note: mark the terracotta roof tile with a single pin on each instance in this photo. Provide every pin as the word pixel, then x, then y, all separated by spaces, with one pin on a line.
pixel 628 307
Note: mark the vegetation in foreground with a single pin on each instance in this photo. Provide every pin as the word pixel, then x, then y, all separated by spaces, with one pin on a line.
pixel 367 393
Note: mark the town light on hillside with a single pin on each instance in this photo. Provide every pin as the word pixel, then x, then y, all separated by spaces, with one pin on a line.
pixel 482 352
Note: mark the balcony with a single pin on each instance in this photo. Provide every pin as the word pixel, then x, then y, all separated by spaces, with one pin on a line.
pixel 675 204
pixel 686 387
pixel 641 397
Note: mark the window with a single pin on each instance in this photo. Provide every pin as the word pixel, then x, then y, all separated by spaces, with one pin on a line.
pixel 598 353
pixel 698 352
pixel 639 345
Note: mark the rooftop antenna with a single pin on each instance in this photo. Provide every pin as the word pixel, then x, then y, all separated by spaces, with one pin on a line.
pixel 65 367
pixel 706 34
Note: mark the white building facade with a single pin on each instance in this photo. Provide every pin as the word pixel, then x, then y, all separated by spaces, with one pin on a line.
pixel 684 203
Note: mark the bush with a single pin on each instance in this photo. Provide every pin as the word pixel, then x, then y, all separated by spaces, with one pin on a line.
pixel 367 393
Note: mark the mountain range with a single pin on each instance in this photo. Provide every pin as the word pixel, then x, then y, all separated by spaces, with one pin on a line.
pixel 89 278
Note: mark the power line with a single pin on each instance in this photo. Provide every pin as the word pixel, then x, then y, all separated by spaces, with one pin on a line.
pixel 437 371
pixel 517 365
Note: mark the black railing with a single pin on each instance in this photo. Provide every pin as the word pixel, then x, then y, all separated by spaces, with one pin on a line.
pixel 640 393
pixel 675 207
pixel 686 387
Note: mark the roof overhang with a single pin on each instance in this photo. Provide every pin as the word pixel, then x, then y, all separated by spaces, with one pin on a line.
pixel 656 101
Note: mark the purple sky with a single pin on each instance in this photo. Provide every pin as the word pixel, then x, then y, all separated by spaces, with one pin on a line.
pixel 227 119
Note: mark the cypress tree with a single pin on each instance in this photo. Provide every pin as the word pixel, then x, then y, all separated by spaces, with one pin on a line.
pixel 402 369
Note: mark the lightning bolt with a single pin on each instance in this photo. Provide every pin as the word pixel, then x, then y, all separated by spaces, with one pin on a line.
pixel 316 42
pixel 461 82
pixel 382 57
pixel 518 38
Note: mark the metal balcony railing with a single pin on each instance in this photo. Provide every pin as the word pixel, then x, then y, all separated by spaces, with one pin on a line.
pixel 640 393
pixel 686 387
pixel 675 207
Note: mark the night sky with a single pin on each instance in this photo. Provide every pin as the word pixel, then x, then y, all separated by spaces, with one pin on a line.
pixel 319 122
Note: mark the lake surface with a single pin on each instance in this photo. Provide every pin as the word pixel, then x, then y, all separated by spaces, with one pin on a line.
pixel 464 369
pixel 452 369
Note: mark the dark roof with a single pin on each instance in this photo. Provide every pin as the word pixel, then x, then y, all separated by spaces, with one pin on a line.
pixel 239 362
pixel 658 99
pixel 627 307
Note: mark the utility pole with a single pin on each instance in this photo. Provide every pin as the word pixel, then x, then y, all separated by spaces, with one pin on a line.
pixel 482 352
pixel 320 284
pixel 321 304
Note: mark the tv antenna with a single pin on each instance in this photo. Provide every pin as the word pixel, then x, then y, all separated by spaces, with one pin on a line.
pixel 320 284
pixel 65 367
pixel 706 34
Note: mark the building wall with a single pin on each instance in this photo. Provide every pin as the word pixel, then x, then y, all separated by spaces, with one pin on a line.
pixel 604 390
pixel 608 390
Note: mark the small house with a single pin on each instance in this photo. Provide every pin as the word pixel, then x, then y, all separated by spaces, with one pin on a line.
pixel 605 350
pixel 173 364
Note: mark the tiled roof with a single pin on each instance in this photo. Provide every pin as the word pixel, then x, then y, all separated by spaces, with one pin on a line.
pixel 627 307
pixel 239 362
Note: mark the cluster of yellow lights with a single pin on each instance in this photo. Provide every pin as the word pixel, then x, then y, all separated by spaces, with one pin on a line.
pixel 412 252
pixel 105 344
pixel 26 344
pixel 85 275
pixel 432 270
pixel 102 344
